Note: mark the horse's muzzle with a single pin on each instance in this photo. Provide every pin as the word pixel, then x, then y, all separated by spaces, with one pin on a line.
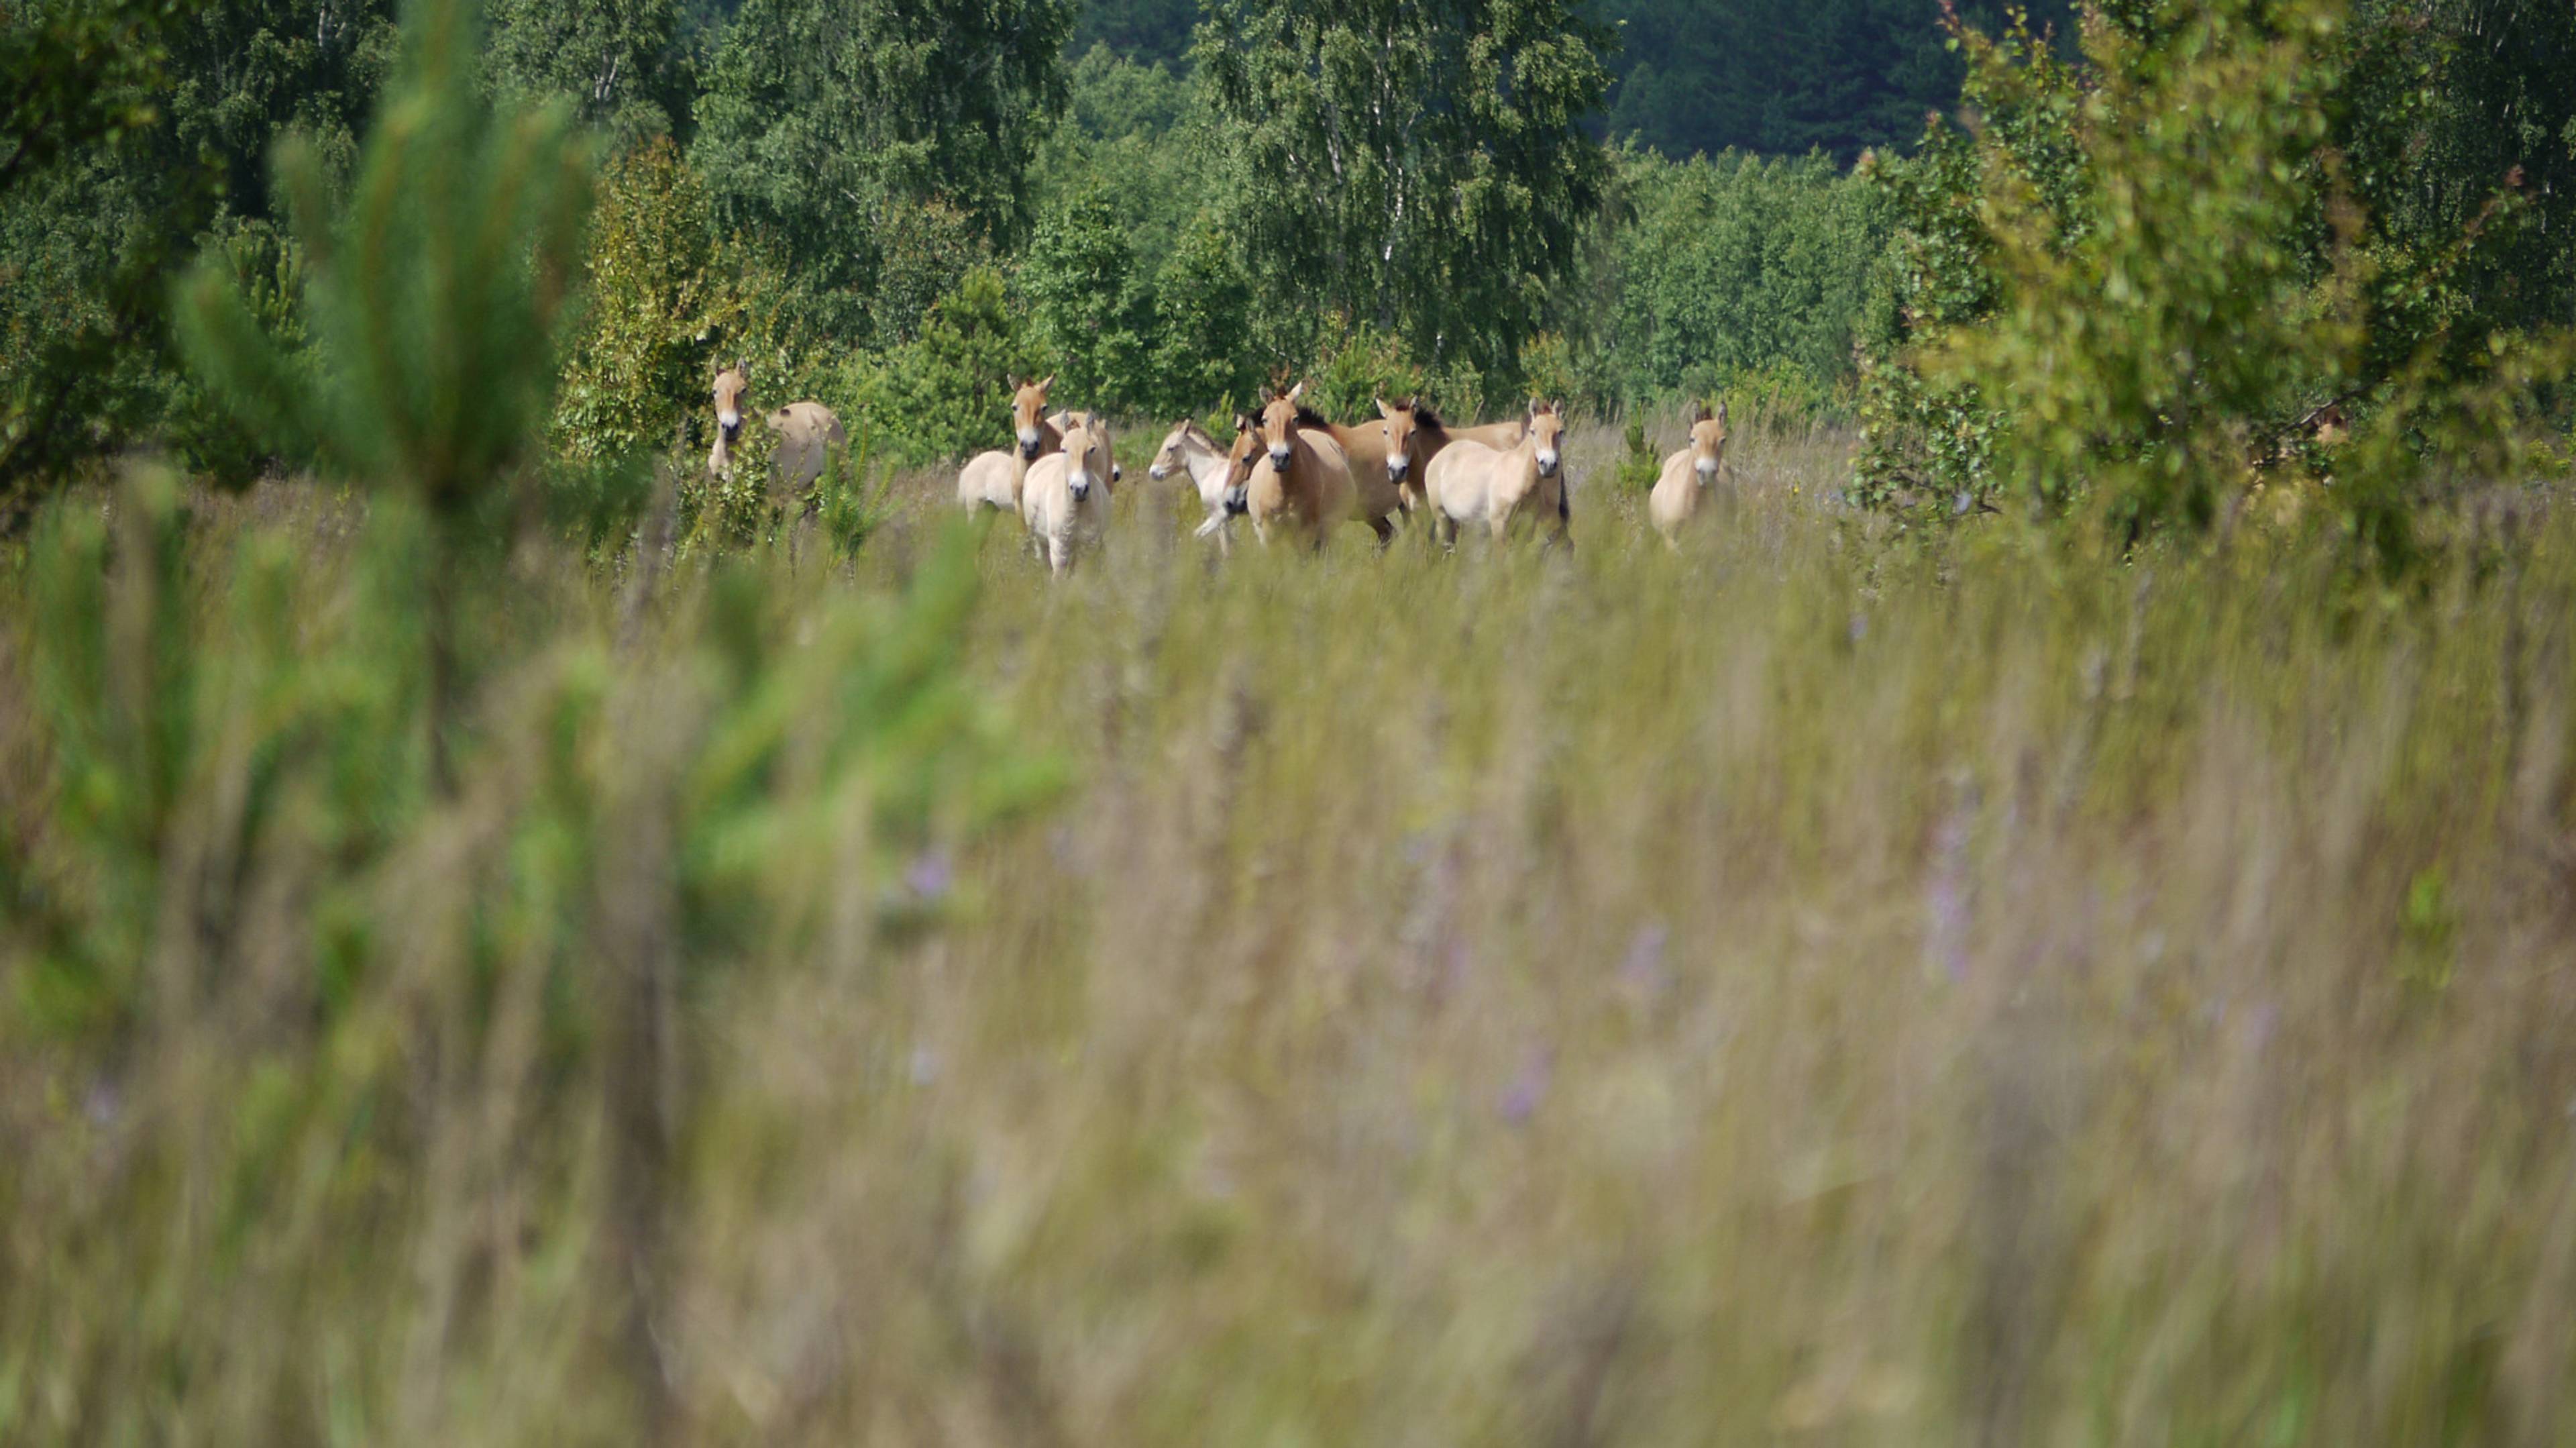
pixel 1396 468
pixel 1237 502
pixel 1028 452
pixel 1279 458
pixel 1707 470
pixel 1548 463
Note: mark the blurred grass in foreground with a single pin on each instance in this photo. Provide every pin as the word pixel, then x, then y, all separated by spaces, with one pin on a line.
pixel 1811 989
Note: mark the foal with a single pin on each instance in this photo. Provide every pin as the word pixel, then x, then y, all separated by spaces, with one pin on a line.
pixel 1190 450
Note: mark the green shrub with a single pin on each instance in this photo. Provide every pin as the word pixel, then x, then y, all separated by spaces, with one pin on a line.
pixel 2126 295
pixel 1735 265
pixel 659 298
pixel 947 394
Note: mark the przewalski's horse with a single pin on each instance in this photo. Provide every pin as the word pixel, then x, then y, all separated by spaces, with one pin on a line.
pixel 1189 451
pixel 1472 483
pixel 992 479
pixel 808 434
pixel 1415 435
pixel 1301 478
pixel 1372 479
pixel 1064 499
pixel 1689 474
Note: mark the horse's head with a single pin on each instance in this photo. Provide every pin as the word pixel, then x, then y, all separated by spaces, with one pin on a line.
pixel 1239 462
pixel 731 387
pixel 1174 455
pixel 1708 442
pixel 1081 438
pixel 1279 423
pixel 1547 434
pixel 1401 421
pixel 1028 416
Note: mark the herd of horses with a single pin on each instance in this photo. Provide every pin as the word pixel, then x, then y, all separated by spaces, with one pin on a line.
pixel 1289 471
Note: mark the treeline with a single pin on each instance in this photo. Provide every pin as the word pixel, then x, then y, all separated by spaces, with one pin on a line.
pixel 2233 221
pixel 894 207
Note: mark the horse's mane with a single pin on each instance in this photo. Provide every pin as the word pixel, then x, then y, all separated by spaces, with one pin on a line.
pixel 1309 417
pixel 1423 416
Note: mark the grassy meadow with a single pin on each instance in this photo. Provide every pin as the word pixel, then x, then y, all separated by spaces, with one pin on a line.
pixel 1823 987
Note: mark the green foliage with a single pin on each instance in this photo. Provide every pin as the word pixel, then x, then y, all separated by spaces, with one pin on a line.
pixel 1359 364
pixel 1639 465
pixel 246 72
pixel 1422 171
pixel 1136 136
pixel 81 71
pixel 614 61
pixel 1737 264
pixel 821 120
pixel 2130 290
pixel 1091 309
pixel 1203 309
pixel 947 394
pixel 432 301
pixel 1785 77
pixel 658 293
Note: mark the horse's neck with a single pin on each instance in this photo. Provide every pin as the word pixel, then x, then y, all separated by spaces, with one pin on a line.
pixel 1205 463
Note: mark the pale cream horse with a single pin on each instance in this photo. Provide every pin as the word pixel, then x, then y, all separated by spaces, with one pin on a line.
pixel 1415 435
pixel 993 479
pixel 1472 483
pixel 808 434
pixel 1064 499
pixel 1688 475
pixel 1302 478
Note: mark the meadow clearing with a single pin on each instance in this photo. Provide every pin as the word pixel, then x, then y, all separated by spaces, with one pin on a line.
pixel 1819 987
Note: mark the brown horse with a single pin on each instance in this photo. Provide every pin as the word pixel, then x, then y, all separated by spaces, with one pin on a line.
pixel 1688 474
pixel 1472 483
pixel 1372 478
pixel 1415 435
pixel 1302 478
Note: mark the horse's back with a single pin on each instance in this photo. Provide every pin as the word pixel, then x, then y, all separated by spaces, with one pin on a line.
pixel 807 431
pixel 990 480
pixel 1461 477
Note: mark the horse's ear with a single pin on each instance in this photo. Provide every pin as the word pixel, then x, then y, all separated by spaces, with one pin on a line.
pixel 1721 414
pixel 1298 391
pixel 1047 385
pixel 1383 410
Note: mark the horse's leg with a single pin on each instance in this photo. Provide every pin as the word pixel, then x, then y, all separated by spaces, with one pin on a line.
pixel 1385 533
pixel 1059 554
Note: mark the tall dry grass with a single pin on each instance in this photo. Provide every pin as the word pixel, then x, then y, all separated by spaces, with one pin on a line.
pixel 1815 988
